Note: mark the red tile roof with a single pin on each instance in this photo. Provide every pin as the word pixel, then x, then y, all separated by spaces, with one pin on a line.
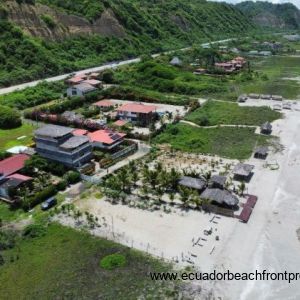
pixel 92 82
pixel 106 136
pixel 104 103
pixel 120 123
pixel 79 132
pixel 76 79
pixel 20 177
pixel 13 164
pixel 137 108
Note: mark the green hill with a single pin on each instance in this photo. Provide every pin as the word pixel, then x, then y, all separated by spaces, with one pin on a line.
pixel 47 37
pixel 266 14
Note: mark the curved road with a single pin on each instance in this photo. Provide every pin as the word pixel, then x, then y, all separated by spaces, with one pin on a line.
pixel 95 69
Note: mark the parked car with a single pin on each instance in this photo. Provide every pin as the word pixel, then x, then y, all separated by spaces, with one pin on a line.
pixel 49 203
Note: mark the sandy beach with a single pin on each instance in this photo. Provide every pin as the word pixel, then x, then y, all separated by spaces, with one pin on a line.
pixel 268 241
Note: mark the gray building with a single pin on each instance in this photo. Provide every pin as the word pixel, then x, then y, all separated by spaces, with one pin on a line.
pixel 80 90
pixel 58 143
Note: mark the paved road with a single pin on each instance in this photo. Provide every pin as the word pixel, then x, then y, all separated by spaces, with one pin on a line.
pixel 95 69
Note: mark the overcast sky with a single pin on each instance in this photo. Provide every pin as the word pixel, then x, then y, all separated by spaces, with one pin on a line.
pixel 296 2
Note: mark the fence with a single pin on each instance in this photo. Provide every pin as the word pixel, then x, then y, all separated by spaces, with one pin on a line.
pixel 219 210
pixel 91 179
pixel 124 152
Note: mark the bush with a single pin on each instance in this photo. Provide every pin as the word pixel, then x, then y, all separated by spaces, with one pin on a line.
pixel 9 118
pixel 38 198
pixel 113 261
pixel 7 239
pixel 48 21
pixel 34 230
pixel 61 186
pixel 72 177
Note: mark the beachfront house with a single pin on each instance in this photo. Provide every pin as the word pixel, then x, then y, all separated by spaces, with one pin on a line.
pixel 106 139
pixel 137 113
pixel 58 143
pixel 10 179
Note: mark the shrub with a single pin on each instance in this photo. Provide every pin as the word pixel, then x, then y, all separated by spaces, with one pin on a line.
pixel 9 118
pixel 34 230
pixel 7 239
pixel 72 177
pixel 38 198
pixel 48 21
pixel 113 261
pixel 61 186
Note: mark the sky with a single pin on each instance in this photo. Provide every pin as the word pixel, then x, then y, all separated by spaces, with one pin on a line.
pixel 296 2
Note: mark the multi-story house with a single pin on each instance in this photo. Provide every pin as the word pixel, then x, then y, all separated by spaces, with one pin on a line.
pixel 137 113
pixel 58 143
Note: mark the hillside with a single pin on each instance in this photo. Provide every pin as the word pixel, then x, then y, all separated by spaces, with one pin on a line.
pixel 265 14
pixel 47 37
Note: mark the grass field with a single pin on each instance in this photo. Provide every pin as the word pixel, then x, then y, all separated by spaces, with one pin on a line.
pixel 8 215
pixel 277 69
pixel 65 264
pixel 235 143
pixel 9 138
pixel 216 113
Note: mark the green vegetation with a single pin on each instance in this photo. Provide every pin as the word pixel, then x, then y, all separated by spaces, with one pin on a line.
pixel 7 214
pixel 91 9
pixel 9 118
pixel 217 113
pixel 146 27
pixel 269 75
pixel 9 137
pixel 157 75
pixel 64 263
pixel 235 143
pixel 283 16
pixel 113 261
pixel 33 96
pixel 48 21
pixel 277 71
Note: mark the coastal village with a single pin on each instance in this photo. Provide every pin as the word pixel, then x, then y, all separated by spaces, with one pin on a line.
pixel 112 161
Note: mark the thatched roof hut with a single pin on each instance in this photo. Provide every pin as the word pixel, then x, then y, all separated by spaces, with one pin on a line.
pixel 261 152
pixel 217 181
pixel 193 183
pixel 243 171
pixel 222 197
pixel 266 128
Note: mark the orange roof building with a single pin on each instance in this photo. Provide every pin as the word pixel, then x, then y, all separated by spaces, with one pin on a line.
pixel 137 113
pixel 105 104
pixel 106 138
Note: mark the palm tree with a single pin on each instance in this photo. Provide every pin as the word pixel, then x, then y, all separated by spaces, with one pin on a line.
pixel 242 187
pixel 124 179
pixel 194 198
pixel 185 194
pixel 134 177
pixel 172 198
pixel 173 178
pixel 152 178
